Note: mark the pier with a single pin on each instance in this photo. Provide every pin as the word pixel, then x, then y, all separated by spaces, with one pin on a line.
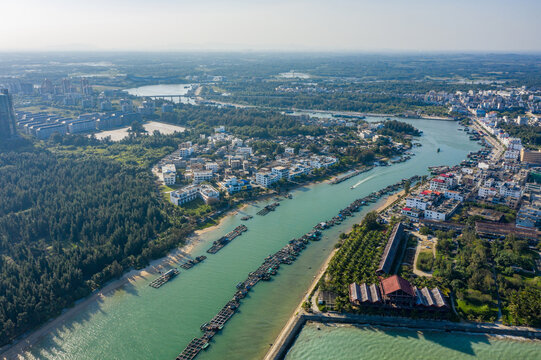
pixel 338 180
pixel 191 263
pixel 268 208
pixel 164 278
pixel 286 255
pixel 224 240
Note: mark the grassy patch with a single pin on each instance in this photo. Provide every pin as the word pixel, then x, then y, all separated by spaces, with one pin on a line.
pixel 425 261
pixel 473 311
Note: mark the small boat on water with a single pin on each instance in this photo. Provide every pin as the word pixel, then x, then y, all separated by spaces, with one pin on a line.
pixel 438 150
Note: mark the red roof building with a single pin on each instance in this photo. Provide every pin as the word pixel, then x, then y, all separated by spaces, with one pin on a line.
pixel 398 291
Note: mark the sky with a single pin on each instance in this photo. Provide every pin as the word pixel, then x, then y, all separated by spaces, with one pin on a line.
pixel 271 25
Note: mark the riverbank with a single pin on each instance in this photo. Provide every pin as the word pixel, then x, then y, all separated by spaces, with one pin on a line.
pixel 294 324
pixel 12 351
pixel 140 322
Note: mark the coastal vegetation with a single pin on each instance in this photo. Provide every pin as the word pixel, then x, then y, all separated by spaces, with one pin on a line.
pixel 69 223
pixel 356 259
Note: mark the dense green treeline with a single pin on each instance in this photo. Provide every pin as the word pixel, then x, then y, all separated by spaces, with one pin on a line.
pixel 68 224
pixel 243 122
pixel 530 135
pixel 356 260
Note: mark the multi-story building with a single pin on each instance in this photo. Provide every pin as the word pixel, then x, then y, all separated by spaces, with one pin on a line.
pixel 45 131
pixel 7 116
pixel 184 195
pixel 200 176
pixel 281 172
pixel 233 185
pixel 438 185
pixel 530 157
pixel 265 178
pixel 192 192
pixel 185 152
pixel 208 193
pixel 212 166
pixel 81 126
pixel 169 174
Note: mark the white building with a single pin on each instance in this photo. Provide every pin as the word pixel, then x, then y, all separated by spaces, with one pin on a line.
pixel 191 192
pixel 452 194
pixel 513 143
pixel 169 174
pixel 212 166
pixel 208 193
pixel 485 191
pixel 416 203
pixel 438 185
pixel 510 189
pixel 184 195
pixel 511 154
pixel 185 152
pixel 265 178
pixel 200 176
pixel 244 150
pixel 281 172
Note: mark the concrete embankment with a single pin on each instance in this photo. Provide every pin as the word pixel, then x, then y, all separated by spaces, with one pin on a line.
pixel 279 350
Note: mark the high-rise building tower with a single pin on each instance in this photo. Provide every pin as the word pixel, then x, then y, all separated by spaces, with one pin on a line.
pixel 86 89
pixel 66 86
pixel 7 116
pixel 46 87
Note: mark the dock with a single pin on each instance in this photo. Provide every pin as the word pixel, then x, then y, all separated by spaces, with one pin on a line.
pixel 191 263
pixel 286 255
pixel 268 208
pixel 164 278
pixel 224 240
pixel 338 180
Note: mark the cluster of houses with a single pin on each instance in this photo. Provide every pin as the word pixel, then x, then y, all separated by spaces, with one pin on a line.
pixel 438 200
pixel 289 169
pixel 483 102
pixel 229 164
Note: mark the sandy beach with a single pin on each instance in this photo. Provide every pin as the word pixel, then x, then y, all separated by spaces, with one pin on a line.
pixel 15 350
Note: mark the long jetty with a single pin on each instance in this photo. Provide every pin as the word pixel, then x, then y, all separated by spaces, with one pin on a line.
pixel 224 240
pixel 286 255
pixel 338 180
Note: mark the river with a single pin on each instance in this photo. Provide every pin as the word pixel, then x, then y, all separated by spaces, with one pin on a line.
pixel 177 90
pixel 140 322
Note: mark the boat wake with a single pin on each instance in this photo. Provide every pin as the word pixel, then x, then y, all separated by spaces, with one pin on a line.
pixel 363 181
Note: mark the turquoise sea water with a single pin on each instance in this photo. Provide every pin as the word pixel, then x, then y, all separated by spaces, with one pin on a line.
pixel 345 342
pixel 139 322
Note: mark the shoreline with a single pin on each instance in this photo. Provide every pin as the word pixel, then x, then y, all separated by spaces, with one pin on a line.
pixel 27 341
pixel 408 328
pixel 293 326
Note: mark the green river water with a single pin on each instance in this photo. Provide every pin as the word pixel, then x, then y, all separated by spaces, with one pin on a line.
pixel 140 322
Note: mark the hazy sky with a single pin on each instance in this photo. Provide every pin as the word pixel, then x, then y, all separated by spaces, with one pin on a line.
pixel 351 25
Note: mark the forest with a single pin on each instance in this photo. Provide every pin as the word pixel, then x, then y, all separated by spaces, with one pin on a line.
pixel 68 224
pixel 484 273
pixel 242 122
